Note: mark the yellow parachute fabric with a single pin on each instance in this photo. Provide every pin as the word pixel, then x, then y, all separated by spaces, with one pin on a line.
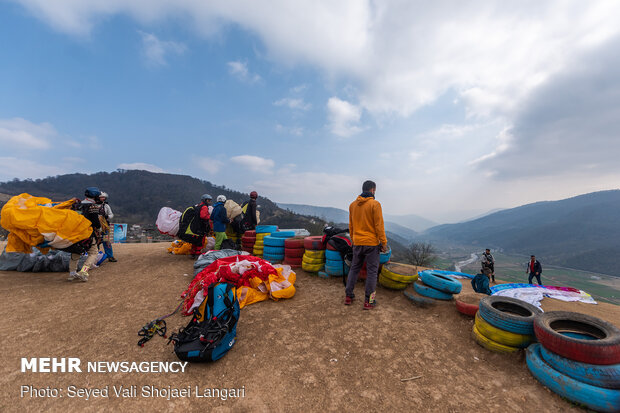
pixel 33 220
pixel 277 287
pixel 179 247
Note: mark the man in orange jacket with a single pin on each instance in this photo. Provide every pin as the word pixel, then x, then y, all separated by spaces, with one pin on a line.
pixel 366 229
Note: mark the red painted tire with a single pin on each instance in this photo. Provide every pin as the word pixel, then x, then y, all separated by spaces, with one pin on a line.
pixel 294 243
pixel 250 234
pixel 294 252
pixel 293 266
pixel 293 260
pixel 314 243
pixel 601 344
pixel 250 250
pixel 248 239
pixel 467 309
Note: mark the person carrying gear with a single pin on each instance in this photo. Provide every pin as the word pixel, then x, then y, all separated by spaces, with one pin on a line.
pixel 205 215
pixel 108 215
pixel 366 229
pixel 92 211
pixel 220 220
pixel 248 209
pixel 488 261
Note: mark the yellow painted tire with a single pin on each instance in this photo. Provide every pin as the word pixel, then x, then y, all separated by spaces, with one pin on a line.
pixel 490 344
pixel 313 261
pixel 258 250
pixel 259 243
pixel 397 277
pixel 501 336
pixel 315 254
pixel 391 284
pixel 261 236
pixel 312 267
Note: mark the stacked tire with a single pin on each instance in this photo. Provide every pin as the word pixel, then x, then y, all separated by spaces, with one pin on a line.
pixel 313 259
pixel 468 303
pixel 248 240
pixel 273 250
pixel 504 324
pixel 294 251
pixel 397 276
pixel 334 263
pixel 261 232
pixel 437 286
pixel 577 357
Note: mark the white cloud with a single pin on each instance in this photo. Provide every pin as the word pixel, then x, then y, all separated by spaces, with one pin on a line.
pixel 343 117
pixel 291 130
pixel 241 72
pixel 293 103
pixel 299 88
pixel 141 166
pixel 11 167
pixel 155 50
pixel 254 163
pixel 22 134
pixel 208 164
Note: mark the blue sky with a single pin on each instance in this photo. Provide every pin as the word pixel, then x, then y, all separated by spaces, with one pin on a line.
pixel 453 109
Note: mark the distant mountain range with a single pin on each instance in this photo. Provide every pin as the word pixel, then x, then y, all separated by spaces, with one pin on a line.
pixel 581 232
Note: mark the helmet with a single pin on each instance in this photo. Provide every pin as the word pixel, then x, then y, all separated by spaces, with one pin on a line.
pixel 221 198
pixel 253 194
pixel 206 197
pixel 103 195
pixel 92 192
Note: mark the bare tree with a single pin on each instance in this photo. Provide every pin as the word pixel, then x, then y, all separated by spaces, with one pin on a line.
pixel 421 254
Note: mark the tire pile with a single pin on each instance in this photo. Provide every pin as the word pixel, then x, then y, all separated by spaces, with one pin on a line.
pixel 577 357
pixel 261 232
pixel 468 303
pixel 247 241
pixel 437 286
pixel 504 324
pixel 396 276
pixel 273 249
pixel 313 259
pixel 293 251
pixel 334 264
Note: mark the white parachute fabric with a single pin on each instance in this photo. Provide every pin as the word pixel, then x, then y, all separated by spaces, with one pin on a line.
pixel 168 221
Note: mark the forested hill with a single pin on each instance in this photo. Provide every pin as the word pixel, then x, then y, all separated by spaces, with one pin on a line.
pixel 137 196
pixel 581 232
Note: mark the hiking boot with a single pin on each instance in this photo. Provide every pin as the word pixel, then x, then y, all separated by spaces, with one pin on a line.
pixel 368 305
pixel 348 300
pixel 112 259
pixel 72 276
pixel 82 274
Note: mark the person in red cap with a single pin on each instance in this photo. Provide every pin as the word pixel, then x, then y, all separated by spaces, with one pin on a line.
pixel 249 220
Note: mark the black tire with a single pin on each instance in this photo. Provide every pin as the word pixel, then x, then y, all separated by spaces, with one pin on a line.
pixel 509 314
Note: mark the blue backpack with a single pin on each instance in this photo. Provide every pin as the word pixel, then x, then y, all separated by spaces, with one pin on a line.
pixel 213 328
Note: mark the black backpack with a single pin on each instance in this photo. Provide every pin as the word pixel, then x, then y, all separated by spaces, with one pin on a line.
pixel 191 228
pixel 340 244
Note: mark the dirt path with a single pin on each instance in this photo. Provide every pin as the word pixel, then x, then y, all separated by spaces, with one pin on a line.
pixel 304 354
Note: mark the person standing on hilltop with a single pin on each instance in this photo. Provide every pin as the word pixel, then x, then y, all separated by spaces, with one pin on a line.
pixel 249 221
pixel 204 215
pixel 220 220
pixel 366 229
pixel 108 215
pixel 488 262
pixel 534 269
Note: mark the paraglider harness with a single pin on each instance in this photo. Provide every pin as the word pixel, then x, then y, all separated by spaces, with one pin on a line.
pixel 192 229
pixel 89 212
pixel 157 326
pixel 340 244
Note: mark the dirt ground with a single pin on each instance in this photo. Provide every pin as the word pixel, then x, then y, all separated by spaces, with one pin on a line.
pixel 308 353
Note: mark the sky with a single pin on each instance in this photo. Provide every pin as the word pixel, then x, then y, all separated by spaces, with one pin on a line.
pixel 453 108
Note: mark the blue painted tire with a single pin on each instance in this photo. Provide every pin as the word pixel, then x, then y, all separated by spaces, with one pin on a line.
pixel 595 398
pixel 261 229
pixel 441 282
pixel 333 255
pixel 283 234
pixel 607 376
pixel 430 292
pixel 267 249
pixel 334 263
pixel 509 314
pixel 336 271
pixel 419 301
pixel 273 257
pixel 274 241
pixel 384 257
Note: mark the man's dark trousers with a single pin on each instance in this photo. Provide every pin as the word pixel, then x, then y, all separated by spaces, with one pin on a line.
pixel 362 253
pixel 532 275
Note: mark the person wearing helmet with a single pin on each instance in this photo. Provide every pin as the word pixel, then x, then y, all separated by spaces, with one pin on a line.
pixel 249 220
pixel 108 215
pixel 220 220
pixel 205 214
pixel 92 211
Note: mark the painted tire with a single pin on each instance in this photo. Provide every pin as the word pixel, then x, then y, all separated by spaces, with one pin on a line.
pixel 441 282
pixel 314 243
pixel 333 255
pixel 251 233
pixel 597 375
pixel 338 270
pixel 430 292
pixel 419 301
pixel 244 245
pixel 261 236
pixel 595 398
pixel 259 242
pixel 273 241
pixel 490 344
pixel 312 267
pixel 384 257
pixel 257 251
pixel 389 272
pixel 283 234
pixel 273 257
pixel 509 314
pixel 465 308
pixel 604 349
pixel 250 250
pixel 248 239
pixel 294 252
pixel 293 266
pixel 334 263
pixel 266 229
pixel 313 261
pixel 293 260
pixel 392 285
pixel 315 254
pixel 273 250
pixel 500 336
pixel 294 243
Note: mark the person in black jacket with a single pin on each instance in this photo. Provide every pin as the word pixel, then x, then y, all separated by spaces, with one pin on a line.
pixel 534 269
